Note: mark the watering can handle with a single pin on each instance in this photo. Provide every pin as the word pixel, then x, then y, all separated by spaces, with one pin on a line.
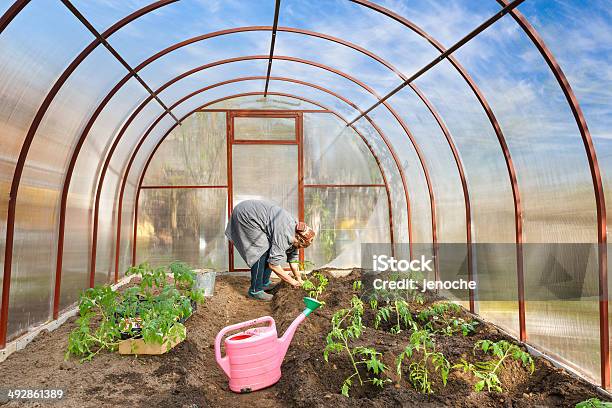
pixel 223 361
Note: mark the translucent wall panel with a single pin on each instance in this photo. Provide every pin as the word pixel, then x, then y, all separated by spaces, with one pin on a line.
pixel 194 153
pixel 132 182
pixel 380 34
pixel 206 52
pixel 488 182
pixel 318 76
pixel 205 98
pixel 185 18
pixel 415 178
pixel 79 206
pixel 210 76
pixel 48 159
pixel 450 204
pixel 398 197
pixel 30 60
pixel 258 128
pixel 103 14
pixel 183 224
pixel 585 60
pixel 344 218
pixel 553 175
pixel 335 153
pixel 271 102
pixel 266 172
pixel 112 181
pixel 337 56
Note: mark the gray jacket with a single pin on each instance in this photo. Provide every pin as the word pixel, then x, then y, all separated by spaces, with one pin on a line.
pixel 258 226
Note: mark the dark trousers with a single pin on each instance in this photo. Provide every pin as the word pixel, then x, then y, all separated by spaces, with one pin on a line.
pixel 260 274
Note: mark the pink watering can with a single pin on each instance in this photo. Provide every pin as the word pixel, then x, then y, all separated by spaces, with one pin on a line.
pixel 253 357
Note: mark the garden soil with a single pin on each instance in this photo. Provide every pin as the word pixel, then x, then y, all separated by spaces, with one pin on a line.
pixel 188 375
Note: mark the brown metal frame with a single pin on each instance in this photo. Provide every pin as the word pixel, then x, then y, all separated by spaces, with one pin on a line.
pixel 230 198
pixel 10 223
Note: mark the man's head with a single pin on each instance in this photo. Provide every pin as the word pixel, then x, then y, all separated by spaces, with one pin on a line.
pixel 304 235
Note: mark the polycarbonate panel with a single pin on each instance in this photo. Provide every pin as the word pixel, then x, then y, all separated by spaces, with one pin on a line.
pixel 337 56
pixel 80 202
pixel 209 51
pixel 271 102
pixel 48 159
pixel 104 13
pixel 488 182
pixel 260 128
pixel 322 77
pixel 129 197
pixel 45 167
pixel 450 203
pixel 209 77
pixel 105 259
pixel 194 153
pixel 266 172
pixel 335 153
pixel 396 189
pixel 325 99
pixel 585 60
pixel 204 99
pixel 30 61
pixel 344 218
pixel 183 224
pixel 186 20
pixel 420 206
pixel 553 176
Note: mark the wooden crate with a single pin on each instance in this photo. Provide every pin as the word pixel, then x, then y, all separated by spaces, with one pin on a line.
pixel 138 346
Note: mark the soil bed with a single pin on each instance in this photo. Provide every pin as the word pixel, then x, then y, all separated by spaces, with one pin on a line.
pixel 188 376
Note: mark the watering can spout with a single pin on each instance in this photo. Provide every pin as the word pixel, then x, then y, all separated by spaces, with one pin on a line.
pixel 285 340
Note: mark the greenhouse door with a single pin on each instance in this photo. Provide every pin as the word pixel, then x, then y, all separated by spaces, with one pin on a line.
pixel 265 163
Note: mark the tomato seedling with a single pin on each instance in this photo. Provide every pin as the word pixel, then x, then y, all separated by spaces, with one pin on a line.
pixel 594 403
pixel 401 310
pixel 347 325
pixel 421 341
pixel 487 371
pixel 315 289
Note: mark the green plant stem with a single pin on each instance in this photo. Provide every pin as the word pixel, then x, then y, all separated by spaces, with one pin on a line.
pixel 348 350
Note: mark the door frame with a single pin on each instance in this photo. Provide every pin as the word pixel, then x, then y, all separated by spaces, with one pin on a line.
pixel 230 141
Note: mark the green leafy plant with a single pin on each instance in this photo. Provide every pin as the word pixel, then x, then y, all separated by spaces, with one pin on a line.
pixel 487 371
pixel 440 318
pixel 315 289
pixel 347 325
pixel 357 285
pixel 422 343
pixel 153 310
pixel 400 310
pixel 594 403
